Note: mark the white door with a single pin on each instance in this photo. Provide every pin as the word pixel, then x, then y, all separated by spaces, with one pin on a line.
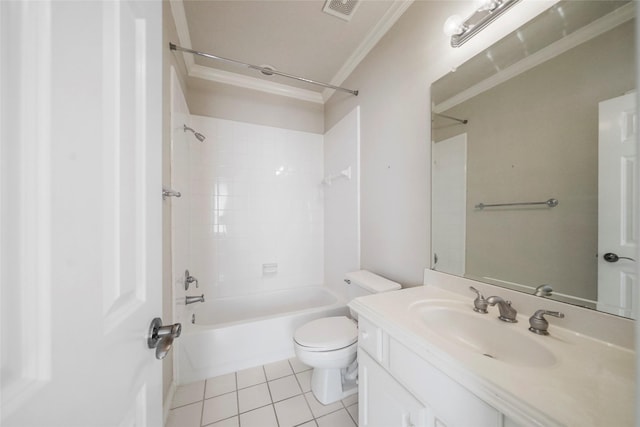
pixel 449 201
pixel 80 212
pixel 617 206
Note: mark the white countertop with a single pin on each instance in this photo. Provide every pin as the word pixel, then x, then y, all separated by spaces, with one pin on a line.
pixel 591 383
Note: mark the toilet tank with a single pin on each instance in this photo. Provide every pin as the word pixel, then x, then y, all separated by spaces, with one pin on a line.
pixel 363 282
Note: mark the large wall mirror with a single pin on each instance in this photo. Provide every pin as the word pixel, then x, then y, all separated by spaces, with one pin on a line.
pixel 534 160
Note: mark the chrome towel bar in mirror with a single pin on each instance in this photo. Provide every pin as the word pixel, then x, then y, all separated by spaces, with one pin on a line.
pixel 552 203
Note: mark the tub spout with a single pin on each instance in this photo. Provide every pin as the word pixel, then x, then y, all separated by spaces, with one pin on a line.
pixel 191 300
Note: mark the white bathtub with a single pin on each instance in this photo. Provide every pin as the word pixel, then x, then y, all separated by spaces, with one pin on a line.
pixel 235 333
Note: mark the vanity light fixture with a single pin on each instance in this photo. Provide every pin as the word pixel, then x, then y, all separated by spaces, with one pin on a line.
pixel 461 31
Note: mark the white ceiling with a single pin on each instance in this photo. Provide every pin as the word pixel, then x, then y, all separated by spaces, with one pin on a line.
pixel 293 36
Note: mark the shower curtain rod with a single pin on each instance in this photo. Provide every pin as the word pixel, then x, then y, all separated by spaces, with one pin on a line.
pixel 264 70
pixel 463 121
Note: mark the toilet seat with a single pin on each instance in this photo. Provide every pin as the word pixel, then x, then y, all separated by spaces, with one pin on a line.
pixel 327 334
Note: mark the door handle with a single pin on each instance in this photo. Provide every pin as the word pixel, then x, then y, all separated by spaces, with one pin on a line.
pixel 611 257
pixel 161 337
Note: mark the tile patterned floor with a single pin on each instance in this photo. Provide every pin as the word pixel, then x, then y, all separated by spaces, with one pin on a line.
pixel 273 395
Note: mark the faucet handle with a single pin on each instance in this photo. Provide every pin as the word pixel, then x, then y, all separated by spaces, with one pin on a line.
pixel 189 279
pixel 543 291
pixel 480 303
pixel 538 324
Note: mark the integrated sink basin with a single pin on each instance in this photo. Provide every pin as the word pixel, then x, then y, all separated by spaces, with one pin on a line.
pixel 483 334
pixel 567 378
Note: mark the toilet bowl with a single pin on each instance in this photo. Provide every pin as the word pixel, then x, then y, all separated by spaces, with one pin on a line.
pixel 329 345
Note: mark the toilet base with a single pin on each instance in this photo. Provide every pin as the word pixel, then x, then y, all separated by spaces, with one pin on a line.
pixel 329 385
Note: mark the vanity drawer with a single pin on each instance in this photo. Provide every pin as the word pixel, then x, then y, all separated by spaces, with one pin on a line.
pixel 372 340
pixel 451 404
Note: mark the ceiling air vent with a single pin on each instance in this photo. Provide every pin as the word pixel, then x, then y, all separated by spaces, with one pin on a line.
pixel 343 9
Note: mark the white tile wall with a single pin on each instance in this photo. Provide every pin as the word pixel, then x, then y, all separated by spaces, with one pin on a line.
pixel 256 198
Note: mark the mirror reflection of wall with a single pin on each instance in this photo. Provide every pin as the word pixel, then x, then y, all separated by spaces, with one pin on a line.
pixel 532 138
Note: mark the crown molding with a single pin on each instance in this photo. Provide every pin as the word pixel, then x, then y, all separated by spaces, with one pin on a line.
pixel 583 35
pixel 247 82
pixel 210 73
pixel 382 27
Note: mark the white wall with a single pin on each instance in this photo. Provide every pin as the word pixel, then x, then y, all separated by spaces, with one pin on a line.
pixel 169 61
pixel 342 201
pixel 637 329
pixel 212 99
pixel 256 198
pixel 180 238
pixel 393 81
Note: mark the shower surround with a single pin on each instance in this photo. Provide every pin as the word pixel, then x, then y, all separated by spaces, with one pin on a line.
pixel 256 208
pixel 249 225
pixel 268 238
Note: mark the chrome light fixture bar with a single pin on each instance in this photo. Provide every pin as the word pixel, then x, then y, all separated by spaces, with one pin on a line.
pixel 486 14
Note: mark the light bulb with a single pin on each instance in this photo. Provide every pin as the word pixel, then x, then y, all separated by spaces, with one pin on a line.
pixel 453 25
pixel 488 4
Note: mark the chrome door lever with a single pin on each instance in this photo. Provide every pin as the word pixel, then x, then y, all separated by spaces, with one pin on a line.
pixel 161 337
pixel 611 257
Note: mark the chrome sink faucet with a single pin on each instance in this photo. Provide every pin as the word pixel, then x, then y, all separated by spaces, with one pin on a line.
pixel 479 304
pixel 507 313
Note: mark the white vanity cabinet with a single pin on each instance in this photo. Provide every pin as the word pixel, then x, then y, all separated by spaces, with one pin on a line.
pixel 425 361
pixel 383 402
pixel 398 388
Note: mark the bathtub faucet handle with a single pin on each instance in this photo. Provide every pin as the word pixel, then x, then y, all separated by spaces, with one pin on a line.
pixel 189 279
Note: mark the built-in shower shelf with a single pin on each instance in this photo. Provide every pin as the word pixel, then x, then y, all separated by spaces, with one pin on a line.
pixel 345 173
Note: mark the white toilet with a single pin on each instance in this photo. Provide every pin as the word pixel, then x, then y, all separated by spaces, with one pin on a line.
pixel 329 344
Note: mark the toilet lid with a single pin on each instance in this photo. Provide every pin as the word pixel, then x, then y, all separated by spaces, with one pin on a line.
pixel 327 333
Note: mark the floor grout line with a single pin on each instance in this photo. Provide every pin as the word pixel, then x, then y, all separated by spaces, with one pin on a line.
pixel 224 419
pixel 272 404
pixel 295 376
pixel 304 396
pixel 237 398
pixel 204 393
pixel 202 409
pixel 349 413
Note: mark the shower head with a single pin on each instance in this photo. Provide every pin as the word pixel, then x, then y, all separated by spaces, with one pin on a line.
pixel 200 137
